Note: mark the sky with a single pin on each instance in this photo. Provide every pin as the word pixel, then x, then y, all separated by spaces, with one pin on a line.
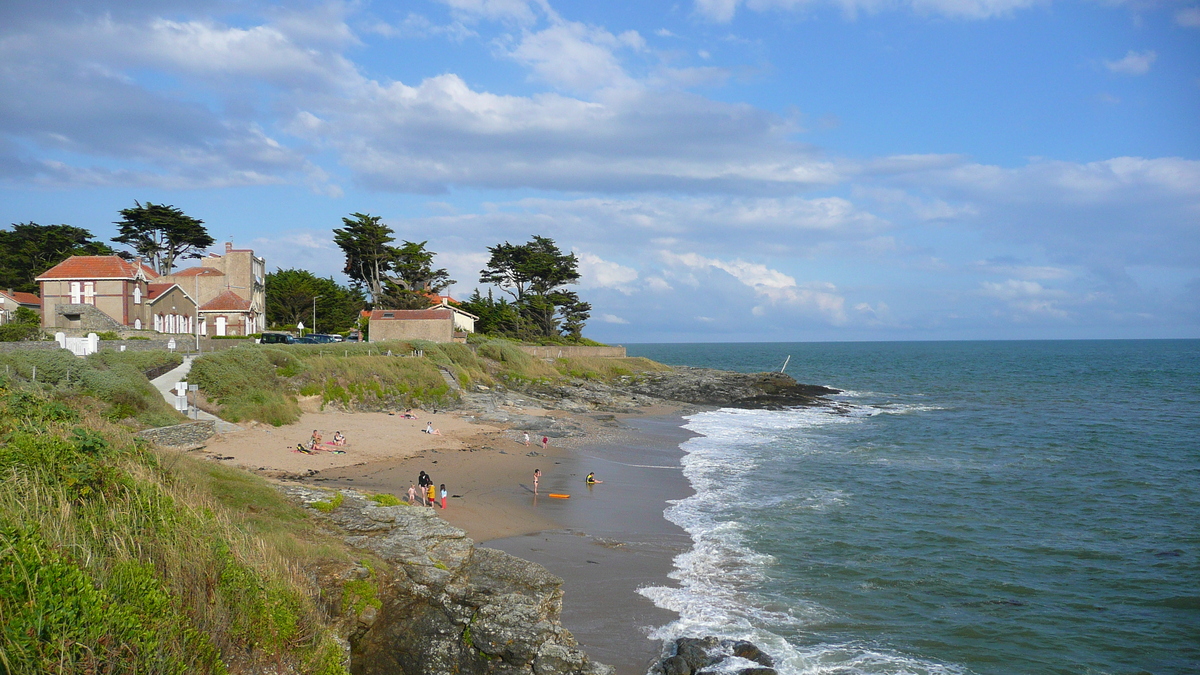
pixel 724 170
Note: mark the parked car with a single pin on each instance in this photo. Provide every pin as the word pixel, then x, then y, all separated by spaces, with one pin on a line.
pixel 306 340
pixel 277 339
pixel 323 338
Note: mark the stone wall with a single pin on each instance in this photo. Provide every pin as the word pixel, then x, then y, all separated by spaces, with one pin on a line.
pixel 557 352
pixel 191 433
pixel 19 346
pixel 184 344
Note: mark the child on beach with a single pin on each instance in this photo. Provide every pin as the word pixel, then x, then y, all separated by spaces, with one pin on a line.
pixel 432 494
pixel 527 439
pixel 545 442
pixel 443 495
pixel 412 494
pixel 537 474
pixel 591 479
pixel 338 438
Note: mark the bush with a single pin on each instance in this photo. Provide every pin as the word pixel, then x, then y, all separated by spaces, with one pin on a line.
pixel 111 564
pixel 20 332
pixel 109 335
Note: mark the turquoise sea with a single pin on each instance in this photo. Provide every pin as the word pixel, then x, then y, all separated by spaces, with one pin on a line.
pixel 963 507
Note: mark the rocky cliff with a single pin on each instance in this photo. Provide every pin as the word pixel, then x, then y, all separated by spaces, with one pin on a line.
pixel 438 604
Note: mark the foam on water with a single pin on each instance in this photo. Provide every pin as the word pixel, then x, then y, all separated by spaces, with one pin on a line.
pixel 718 576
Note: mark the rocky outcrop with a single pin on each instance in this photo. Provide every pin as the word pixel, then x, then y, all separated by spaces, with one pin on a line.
pixel 705 386
pixel 688 656
pixel 181 435
pixel 443 605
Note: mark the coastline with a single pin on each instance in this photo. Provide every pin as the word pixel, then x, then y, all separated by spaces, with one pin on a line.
pixel 605 542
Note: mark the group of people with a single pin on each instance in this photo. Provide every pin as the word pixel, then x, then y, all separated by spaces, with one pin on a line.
pixel 537 480
pixel 545 441
pixel 316 441
pixel 428 493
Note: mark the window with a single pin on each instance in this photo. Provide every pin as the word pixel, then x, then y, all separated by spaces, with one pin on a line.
pixel 388 315
pixel 76 292
pixel 137 295
pixel 89 292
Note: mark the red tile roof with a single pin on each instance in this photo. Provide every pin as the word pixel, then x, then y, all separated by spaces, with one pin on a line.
pixel 198 272
pixel 154 291
pixel 23 298
pixel 411 314
pixel 226 302
pixel 96 267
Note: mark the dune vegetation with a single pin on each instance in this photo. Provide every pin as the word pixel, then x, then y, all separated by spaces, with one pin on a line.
pixel 258 382
pixel 116 558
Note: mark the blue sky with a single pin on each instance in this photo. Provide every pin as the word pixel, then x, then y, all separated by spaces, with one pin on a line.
pixel 726 170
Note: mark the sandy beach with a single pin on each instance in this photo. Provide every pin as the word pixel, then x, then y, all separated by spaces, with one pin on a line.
pixel 605 541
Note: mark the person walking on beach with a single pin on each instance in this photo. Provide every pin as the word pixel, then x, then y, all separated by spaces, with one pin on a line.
pixel 443 495
pixel 424 482
pixel 412 494
pixel 537 475
pixel 545 442
pixel 527 439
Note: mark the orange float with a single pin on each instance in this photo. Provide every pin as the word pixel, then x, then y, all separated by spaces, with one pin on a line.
pixel 557 496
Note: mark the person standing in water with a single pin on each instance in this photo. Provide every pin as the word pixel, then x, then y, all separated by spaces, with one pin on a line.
pixel 537 476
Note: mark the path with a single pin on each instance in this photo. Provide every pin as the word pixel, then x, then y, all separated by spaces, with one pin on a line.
pixel 165 384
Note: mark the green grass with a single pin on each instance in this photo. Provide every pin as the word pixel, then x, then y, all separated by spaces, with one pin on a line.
pixel 116 379
pixel 385 499
pixel 112 561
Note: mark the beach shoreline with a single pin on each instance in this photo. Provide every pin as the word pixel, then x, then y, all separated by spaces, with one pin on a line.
pixel 605 541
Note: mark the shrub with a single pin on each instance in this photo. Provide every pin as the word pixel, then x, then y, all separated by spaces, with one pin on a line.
pixel 110 563
pixel 385 499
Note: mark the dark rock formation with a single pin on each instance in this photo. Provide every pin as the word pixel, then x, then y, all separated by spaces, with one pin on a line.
pixel 705 386
pixel 446 606
pixel 695 655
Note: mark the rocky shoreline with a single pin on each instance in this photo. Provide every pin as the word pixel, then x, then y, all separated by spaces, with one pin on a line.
pixel 442 604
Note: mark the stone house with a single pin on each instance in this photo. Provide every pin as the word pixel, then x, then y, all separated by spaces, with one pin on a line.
pixel 11 300
pixel 100 293
pixel 436 324
pixel 231 290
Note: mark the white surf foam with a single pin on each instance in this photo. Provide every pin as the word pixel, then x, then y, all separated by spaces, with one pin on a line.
pixel 719 575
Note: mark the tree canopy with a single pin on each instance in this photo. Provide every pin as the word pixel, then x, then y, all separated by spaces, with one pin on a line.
pixel 290 296
pixel 535 274
pixel 29 249
pixel 396 277
pixel 162 234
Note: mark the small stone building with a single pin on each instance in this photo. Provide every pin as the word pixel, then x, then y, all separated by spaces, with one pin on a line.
pixel 435 324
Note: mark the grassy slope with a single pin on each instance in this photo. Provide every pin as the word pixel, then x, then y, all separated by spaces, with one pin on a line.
pixel 262 382
pixel 115 379
pixel 114 558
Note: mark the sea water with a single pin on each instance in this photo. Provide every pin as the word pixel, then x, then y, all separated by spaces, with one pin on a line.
pixel 962 507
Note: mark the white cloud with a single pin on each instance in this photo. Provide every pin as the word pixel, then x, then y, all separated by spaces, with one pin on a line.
pixel 1027 298
pixel 576 57
pixel 1189 17
pixel 613 318
pixel 517 11
pixel 595 272
pixel 1134 63
pixel 775 286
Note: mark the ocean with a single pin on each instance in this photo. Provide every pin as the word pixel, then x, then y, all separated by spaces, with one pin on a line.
pixel 963 507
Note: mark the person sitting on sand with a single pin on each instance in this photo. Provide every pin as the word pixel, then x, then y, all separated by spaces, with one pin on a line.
pixel 591 479
pixel 338 439
pixel 409 414
pixel 429 427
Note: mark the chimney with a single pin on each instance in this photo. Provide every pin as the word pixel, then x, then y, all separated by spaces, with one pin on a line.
pixel 228 247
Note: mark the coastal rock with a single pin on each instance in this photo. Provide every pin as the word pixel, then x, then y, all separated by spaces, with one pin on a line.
pixel 710 654
pixel 445 605
pixel 706 386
